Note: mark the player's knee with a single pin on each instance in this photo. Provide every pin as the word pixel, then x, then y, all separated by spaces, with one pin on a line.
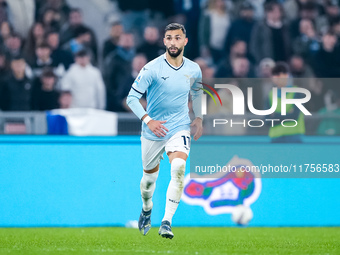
pixel 178 171
pixel 148 179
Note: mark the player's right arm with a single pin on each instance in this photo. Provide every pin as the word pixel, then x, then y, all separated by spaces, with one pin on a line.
pixel 140 85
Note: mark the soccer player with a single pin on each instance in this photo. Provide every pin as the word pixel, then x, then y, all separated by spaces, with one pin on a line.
pixel 168 80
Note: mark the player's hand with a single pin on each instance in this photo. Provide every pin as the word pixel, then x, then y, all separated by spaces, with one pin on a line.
pixel 197 123
pixel 156 126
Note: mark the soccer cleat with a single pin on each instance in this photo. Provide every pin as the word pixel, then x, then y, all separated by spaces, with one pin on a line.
pixel 165 230
pixel 144 223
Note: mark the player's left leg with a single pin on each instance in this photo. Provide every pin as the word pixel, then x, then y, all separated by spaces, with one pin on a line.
pixel 177 150
pixel 176 185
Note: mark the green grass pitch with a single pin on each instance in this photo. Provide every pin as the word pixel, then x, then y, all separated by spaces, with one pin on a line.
pixel 114 240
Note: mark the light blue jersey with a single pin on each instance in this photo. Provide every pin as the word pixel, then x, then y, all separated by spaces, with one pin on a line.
pixel 167 92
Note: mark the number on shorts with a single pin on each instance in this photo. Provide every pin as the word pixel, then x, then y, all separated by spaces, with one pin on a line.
pixel 186 140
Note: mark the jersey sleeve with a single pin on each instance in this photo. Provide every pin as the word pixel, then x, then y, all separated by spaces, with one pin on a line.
pixel 196 94
pixel 143 80
pixel 139 86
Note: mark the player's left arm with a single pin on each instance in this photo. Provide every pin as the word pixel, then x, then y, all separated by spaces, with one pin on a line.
pixel 196 98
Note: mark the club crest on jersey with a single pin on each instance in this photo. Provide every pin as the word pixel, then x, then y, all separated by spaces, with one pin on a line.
pixel 188 77
pixel 219 193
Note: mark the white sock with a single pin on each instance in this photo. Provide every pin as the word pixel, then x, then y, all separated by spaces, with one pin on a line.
pixel 175 189
pixel 147 187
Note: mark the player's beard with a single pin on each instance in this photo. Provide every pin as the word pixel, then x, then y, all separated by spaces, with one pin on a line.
pixel 175 54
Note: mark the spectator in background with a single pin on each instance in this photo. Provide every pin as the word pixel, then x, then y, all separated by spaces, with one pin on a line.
pixel 35 37
pixel 207 71
pixel 188 13
pixel 238 49
pixel 309 11
pixel 214 26
pixel 123 89
pixel 5 31
pixel 291 8
pixel 3 11
pixel 21 15
pixel 44 96
pixel 13 45
pixel 301 72
pixel 112 42
pixel 134 16
pixel 60 6
pixel 240 68
pixel 327 59
pixel 117 67
pixel 4 66
pixel 317 90
pixel 50 19
pixel 81 40
pixel 299 68
pixel 16 90
pixel 151 47
pixel 264 72
pixel 75 19
pixel 161 11
pixel 306 43
pixel 335 26
pixel 58 55
pixel 241 28
pixel 330 124
pixel 85 83
pixel 65 100
pixel 327 63
pixel 278 133
pixel 270 37
pixel 43 59
pixel 332 11
pixel 265 68
pixel 69 30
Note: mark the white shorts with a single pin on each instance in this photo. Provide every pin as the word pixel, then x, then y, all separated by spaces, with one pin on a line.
pixel 152 151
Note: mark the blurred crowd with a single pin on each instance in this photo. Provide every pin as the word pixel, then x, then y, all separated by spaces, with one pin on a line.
pixel 50 59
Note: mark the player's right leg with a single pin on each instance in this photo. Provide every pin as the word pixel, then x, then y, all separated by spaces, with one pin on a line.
pixel 147 188
pixel 152 152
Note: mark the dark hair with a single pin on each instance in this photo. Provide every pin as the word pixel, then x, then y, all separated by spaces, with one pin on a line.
pixel 18 57
pixel 43 45
pixel 332 3
pixel 280 68
pixel 334 21
pixel 236 41
pixel 50 32
pixel 48 72
pixel 15 35
pixel 269 5
pixel 175 26
pixel 47 9
pixel 75 10
pixel 80 30
pixel 81 53
pixel 246 5
pixel 329 32
pixel 296 56
pixel 63 92
pixel 309 6
pixel 116 23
